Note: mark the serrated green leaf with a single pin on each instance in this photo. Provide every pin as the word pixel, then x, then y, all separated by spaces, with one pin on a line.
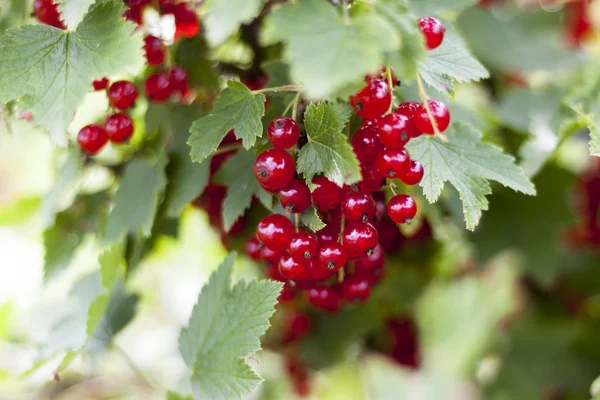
pixel 72 11
pixel 310 219
pixel 224 327
pixel 238 175
pixel 66 176
pixel 591 119
pixel 112 265
pixel 327 151
pixel 136 200
pixel 467 163
pixel 236 108
pixel 223 18
pixel 50 70
pixel 435 7
pixel 324 52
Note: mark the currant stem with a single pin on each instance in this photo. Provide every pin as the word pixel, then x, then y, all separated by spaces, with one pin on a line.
pixel 392 187
pixel 393 104
pixel 425 100
pixel 341 274
pixel 297 222
pixel 286 88
pixel 226 148
pixel 295 106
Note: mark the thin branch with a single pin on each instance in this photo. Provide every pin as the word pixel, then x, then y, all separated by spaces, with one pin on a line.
pixel 388 72
pixel 295 106
pixel 226 148
pixel 286 88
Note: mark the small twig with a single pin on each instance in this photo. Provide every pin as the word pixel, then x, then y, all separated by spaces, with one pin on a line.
pixel 388 71
pixel 342 226
pixel 295 106
pixel 425 100
pixel 286 88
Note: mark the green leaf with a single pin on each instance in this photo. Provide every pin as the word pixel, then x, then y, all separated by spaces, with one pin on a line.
pixel 435 7
pixel 112 265
pixel 238 175
pixel 223 18
pixel 136 200
pixel 225 326
pixel 236 108
pixel 65 179
pixel 591 118
pixel 193 55
pixel 468 164
pixel 310 219
pixel 50 70
pixel 450 62
pixel 327 151
pixel 72 11
pixel 19 210
pixel 325 53
pixel 176 396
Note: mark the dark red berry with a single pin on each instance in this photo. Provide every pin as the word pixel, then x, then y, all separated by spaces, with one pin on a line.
pixel 158 87
pixel 186 20
pixel 135 10
pixel 253 248
pixel 390 237
pixel 318 272
pixel 393 130
pixel 273 273
pixel 366 144
pixel 332 255
pixel 101 84
pixel 119 128
pixel 288 293
pixel 275 232
pixel 154 49
pixel 295 196
pixel 393 163
pixel 179 79
pixel 402 209
pixel 368 262
pixel 330 232
pixel 294 268
pixel 303 245
pixel 414 174
pixel 373 100
pixel 356 288
pixel 432 30
pixel 122 94
pixel 440 114
pixel 408 109
pixel 256 82
pixel 296 327
pixel 359 238
pixel 92 139
pixel 372 180
pixel 46 11
pixel 358 206
pixel 374 122
pixel 326 298
pixel 326 195
pixel 274 169
pixel 270 256
pixel 283 132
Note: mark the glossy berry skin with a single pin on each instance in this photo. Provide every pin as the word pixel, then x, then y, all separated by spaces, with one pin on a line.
pixel 274 169
pixel 283 132
pixel 256 82
pixel 371 261
pixel 433 31
pixel 393 163
pixel 390 237
pixel 179 79
pixel 414 174
pixel 270 256
pixel 252 248
pixel 332 256
pixel 374 122
pixel 356 288
pixel 393 130
pixel 158 87
pixel 372 180
pixel 358 206
pixel 402 209
pixel 318 272
pixel 359 238
pixel 408 109
pixel 275 232
pixel 366 144
pixel 46 11
pixel 440 114
pixel 294 268
pixel 92 139
pixel 119 128
pixel 373 100
pixel 326 298
pixel 154 50
pixel 100 84
pixel 303 245
pixel 122 94
pixel 327 195
pixel 295 196
pixel 330 232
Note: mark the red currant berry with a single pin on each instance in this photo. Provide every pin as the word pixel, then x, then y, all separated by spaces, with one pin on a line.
pixel 275 232
pixel 273 273
pixel 158 87
pixel 356 288
pixel 414 174
pixel 326 298
pixel 432 30
pixel 294 268
pixel 135 10
pixel 186 21
pixel 253 248
pixel 319 272
pixel 327 195
pixel 393 130
pixel 122 94
pixel 440 114
pixel 283 132
pixel 366 144
pixel 370 122
pixel 296 327
pixel 408 109
pixel 390 237
pixel 256 82
pixel 287 294
pixel 393 163
pixel 295 196
pixel 274 169
pixel 270 256
pixel 100 84
pixel 119 128
pixel 402 209
pixel 92 139
pixel 373 100
pixel 368 262
pixel 46 11
pixel 179 79
pixel 332 255
pixel 154 49
pixel 330 232
pixel 358 206
pixel 360 238
pixel 372 180
pixel 303 245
